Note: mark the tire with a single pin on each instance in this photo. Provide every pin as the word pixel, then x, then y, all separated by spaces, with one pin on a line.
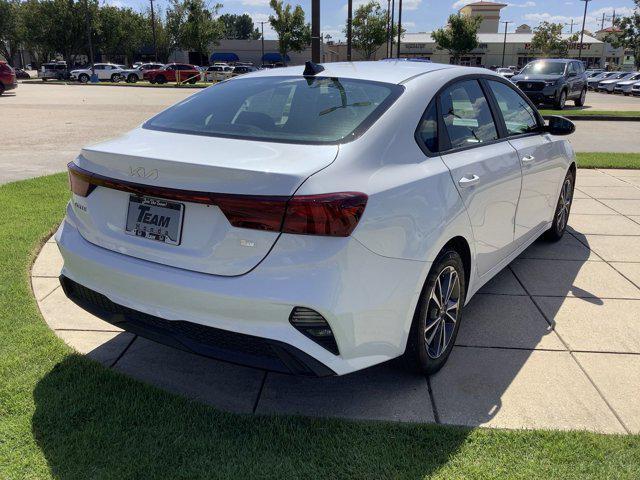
pixel 562 100
pixel 579 102
pixel 132 78
pixel 1 88
pixel 116 77
pixel 192 81
pixel 44 79
pixel 433 331
pixel 563 209
pixel 160 79
pixel 83 78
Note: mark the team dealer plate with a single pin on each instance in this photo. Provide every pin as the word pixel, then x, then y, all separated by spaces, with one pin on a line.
pixel 155 219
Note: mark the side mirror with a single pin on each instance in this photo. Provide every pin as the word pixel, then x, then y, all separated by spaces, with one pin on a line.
pixel 559 126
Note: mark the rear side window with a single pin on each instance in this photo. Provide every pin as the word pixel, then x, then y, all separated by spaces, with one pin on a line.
pixel 281 109
pixel 466 114
pixel 428 129
pixel 518 116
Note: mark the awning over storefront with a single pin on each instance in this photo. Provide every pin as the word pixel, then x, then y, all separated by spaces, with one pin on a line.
pixel 224 57
pixel 274 57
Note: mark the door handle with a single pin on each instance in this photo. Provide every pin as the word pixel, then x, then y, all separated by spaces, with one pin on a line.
pixel 528 158
pixel 465 182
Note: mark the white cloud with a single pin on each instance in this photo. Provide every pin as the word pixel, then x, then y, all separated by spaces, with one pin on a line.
pixel 522 5
pixel 593 21
pixel 457 5
pixel 411 4
pixel 256 3
pixel 258 17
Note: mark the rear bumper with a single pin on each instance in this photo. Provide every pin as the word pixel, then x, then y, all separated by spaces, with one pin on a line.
pixel 11 85
pixel 207 341
pixel 368 300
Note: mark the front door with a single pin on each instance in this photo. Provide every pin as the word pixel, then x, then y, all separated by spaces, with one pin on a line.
pixel 485 169
pixel 542 166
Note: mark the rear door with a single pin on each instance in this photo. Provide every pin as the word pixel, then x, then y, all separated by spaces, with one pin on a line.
pixel 485 169
pixel 540 157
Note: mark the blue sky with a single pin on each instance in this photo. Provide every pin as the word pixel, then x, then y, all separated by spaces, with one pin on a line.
pixel 425 15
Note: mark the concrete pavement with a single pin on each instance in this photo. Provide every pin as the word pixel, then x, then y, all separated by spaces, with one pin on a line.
pixel 552 342
pixel 49 124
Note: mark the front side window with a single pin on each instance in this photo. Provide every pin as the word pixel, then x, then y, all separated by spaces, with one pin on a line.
pixel 518 116
pixel 281 109
pixel 466 114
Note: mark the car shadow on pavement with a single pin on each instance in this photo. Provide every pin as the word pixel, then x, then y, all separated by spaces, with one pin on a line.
pixel 509 369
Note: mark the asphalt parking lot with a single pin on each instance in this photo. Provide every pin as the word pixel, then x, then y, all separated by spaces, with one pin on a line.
pixel 50 123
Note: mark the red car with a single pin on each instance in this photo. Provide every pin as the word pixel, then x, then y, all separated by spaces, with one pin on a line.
pixel 173 72
pixel 7 78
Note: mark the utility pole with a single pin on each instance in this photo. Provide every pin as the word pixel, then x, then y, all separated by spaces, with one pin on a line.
pixel 349 22
pixel 315 31
pixel 504 43
pixel 153 31
pixel 393 14
pixel 399 25
pixel 94 78
pixel 388 25
pixel 571 28
pixel 262 38
pixel 584 20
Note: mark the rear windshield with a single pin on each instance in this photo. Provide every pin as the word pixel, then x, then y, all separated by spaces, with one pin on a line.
pixel 281 109
pixel 543 68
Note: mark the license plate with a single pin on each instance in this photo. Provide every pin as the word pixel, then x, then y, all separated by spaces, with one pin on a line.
pixel 155 219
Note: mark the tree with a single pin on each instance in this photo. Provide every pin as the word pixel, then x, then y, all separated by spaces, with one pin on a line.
pixel 11 28
pixel 459 37
pixel 239 27
pixel 293 34
pixel 629 35
pixel 193 26
pixel 66 24
pixel 120 31
pixel 547 39
pixel 369 29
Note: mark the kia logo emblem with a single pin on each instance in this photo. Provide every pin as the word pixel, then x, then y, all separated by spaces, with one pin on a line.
pixel 141 172
pixel 529 85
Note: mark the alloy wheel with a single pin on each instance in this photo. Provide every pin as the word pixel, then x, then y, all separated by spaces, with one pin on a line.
pixel 443 312
pixel 564 206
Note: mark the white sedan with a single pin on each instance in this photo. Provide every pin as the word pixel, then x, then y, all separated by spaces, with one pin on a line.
pixel 104 71
pixel 316 220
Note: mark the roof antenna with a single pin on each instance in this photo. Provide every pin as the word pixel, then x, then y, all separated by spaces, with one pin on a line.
pixel 311 69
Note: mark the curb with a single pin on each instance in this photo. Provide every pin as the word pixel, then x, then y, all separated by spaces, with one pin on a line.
pixel 602 118
pixel 111 84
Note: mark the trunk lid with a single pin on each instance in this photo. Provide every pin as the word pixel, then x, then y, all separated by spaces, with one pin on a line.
pixel 208 242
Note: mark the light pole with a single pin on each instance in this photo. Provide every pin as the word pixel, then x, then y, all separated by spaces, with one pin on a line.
pixel 399 26
pixel 504 43
pixel 262 39
pixel 584 20
pixel 393 14
pixel 315 31
pixel 153 31
pixel 94 77
pixel 349 21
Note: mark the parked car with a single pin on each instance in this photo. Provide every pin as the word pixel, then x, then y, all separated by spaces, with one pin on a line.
pixel 553 81
pixel 505 72
pixel 22 74
pixel 174 72
pixel 625 86
pixel 104 71
pixel 242 69
pixel 8 79
pixel 53 71
pixel 136 74
pixel 635 90
pixel 593 72
pixel 592 82
pixel 218 72
pixel 316 220
pixel 609 83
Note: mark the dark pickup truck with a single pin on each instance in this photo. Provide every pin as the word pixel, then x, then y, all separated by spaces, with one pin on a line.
pixel 553 82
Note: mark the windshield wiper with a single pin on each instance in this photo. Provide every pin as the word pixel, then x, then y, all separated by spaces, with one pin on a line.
pixel 354 104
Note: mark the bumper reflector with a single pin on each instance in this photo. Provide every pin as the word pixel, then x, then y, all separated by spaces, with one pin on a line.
pixel 314 326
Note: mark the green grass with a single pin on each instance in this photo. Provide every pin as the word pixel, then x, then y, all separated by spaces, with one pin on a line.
pixel 589 112
pixel 608 160
pixel 64 416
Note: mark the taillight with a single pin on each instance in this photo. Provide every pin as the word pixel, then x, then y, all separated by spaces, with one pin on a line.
pixel 332 214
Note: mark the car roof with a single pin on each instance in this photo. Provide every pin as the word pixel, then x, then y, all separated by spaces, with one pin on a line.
pixel 388 71
pixel 556 60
